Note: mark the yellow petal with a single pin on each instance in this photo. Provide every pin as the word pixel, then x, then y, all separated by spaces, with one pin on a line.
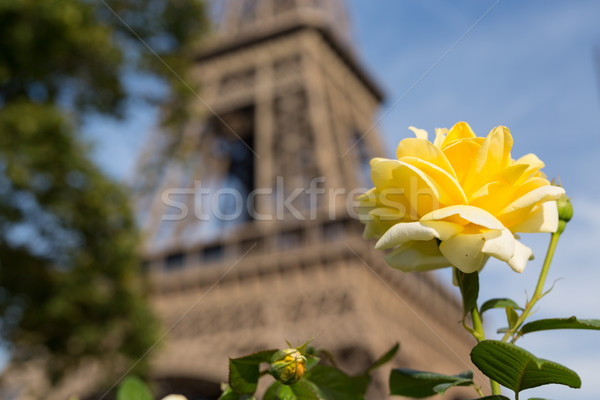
pixel 519 259
pixel 440 135
pixel 447 186
pixel 418 188
pixel 461 154
pixel 493 155
pixel 493 197
pixel 404 232
pixel 382 172
pixel 541 194
pixel 500 245
pixel 542 218
pixel 461 130
pixel 419 133
pixel 444 230
pixel 520 209
pixel 464 251
pixel 424 150
pixel 532 161
pixel 464 215
pixel 417 256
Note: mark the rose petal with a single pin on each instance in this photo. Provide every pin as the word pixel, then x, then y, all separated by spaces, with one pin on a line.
pixel 464 215
pixel 500 246
pixel 447 186
pixel 425 150
pixel 519 259
pixel 444 230
pixel 382 172
pixel 460 130
pixel 543 218
pixel 417 256
pixel 493 155
pixel 418 188
pixel 440 135
pixel 541 194
pixel 460 154
pixel 419 133
pixel 464 251
pixel 404 232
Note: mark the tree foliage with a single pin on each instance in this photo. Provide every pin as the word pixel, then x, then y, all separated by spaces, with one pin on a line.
pixel 69 272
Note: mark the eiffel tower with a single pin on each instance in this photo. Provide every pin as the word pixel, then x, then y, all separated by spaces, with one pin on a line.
pixel 254 240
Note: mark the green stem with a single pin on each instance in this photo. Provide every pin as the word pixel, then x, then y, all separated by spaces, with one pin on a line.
pixel 479 334
pixel 538 294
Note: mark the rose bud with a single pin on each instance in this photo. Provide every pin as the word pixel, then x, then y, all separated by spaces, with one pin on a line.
pixel 288 366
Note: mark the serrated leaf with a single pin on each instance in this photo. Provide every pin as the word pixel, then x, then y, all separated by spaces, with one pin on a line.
pixel 133 388
pixel 518 369
pixel 560 323
pixel 411 383
pixel 469 289
pixel 499 303
pixel 383 359
pixel 244 371
pixel 330 383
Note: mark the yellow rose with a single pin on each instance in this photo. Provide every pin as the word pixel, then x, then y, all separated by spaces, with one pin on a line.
pixel 457 201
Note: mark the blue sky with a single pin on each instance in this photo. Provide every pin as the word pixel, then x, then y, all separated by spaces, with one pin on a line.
pixel 526 65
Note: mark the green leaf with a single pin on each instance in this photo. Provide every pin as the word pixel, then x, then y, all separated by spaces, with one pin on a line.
pixel 443 387
pixel 499 303
pixel 517 369
pixel 244 371
pixel 133 388
pixel 469 289
pixel 329 383
pixel 383 359
pixel 560 323
pixel 361 383
pixel 230 394
pixel 511 317
pixel 411 383
pixel 494 397
pixel 297 391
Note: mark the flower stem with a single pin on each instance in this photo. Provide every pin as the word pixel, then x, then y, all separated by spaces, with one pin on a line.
pixel 538 294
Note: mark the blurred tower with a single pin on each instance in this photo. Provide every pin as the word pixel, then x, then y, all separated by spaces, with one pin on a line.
pixel 252 239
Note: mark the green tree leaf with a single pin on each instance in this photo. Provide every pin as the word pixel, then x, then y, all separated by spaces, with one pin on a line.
pixel 244 371
pixel 560 323
pixel 469 289
pixel 499 303
pixel 411 383
pixel 494 397
pixel 517 369
pixel 133 388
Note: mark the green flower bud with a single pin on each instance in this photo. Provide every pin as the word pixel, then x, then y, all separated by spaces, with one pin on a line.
pixel 288 366
pixel 565 212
